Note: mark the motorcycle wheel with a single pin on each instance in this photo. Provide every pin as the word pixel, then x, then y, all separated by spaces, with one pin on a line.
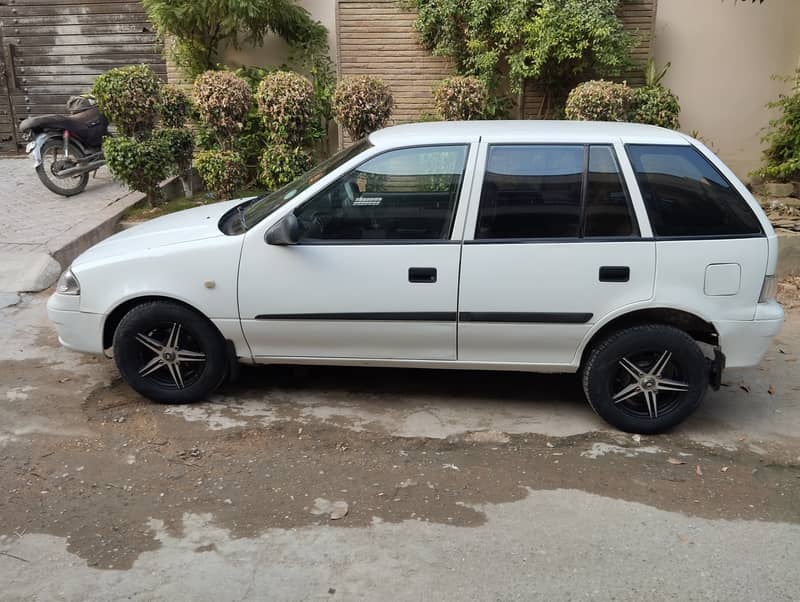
pixel 53 160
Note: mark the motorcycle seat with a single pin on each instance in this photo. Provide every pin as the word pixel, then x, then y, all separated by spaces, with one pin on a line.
pixel 88 126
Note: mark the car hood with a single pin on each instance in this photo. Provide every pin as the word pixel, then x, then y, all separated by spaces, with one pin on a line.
pixel 180 227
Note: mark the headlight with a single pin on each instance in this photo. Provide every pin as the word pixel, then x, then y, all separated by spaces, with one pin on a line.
pixel 68 284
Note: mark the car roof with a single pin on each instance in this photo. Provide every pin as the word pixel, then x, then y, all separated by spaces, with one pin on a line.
pixel 520 130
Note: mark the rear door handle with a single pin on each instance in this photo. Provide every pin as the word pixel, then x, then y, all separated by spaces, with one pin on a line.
pixel 427 275
pixel 615 273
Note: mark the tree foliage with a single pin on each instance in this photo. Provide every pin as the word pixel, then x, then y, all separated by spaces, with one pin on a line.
pixel 505 42
pixel 200 30
pixel 567 40
pixel 782 155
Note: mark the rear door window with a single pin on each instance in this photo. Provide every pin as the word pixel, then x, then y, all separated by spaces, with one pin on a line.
pixel 607 211
pixel 686 196
pixel 542 191
pixel 531 191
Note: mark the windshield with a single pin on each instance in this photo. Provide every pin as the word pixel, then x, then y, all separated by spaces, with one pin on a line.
pixel 262 207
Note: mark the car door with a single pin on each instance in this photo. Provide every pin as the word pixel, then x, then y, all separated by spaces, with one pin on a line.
pixel 552 245
pixel 374 274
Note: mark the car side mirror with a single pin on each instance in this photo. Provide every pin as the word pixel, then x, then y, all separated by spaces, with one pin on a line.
pixel 285 232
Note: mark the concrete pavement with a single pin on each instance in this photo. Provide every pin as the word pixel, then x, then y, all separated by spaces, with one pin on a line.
pixel 460 486
pixel 42 232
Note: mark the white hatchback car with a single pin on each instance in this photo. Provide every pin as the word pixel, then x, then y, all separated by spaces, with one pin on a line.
pixel 627 253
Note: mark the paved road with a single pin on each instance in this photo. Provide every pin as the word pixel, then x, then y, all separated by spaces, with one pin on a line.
pixel 458 486
pixel 32 215
pixel 35 222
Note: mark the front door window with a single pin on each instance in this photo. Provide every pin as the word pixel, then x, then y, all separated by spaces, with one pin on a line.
pixel 406 194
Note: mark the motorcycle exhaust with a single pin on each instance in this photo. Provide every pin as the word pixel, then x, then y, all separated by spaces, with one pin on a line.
pixel 79 169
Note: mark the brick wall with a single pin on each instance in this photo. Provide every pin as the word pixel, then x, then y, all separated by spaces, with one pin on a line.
pixel 377 38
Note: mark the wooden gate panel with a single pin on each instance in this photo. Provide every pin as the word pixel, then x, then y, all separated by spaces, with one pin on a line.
pixel 59 47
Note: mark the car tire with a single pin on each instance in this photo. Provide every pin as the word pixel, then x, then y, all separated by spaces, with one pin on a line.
pixel 169 353
pixel 646 379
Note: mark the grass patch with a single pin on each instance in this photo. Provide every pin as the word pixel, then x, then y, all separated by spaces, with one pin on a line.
pixel 141 212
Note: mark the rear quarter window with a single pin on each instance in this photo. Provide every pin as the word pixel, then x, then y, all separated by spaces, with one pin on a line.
pixel 686 196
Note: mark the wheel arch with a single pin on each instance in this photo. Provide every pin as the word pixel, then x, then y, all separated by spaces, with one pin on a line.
pixel 695 326
pixel 115 315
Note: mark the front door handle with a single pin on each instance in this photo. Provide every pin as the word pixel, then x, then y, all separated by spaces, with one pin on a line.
pixel 615 273
pixel 426 275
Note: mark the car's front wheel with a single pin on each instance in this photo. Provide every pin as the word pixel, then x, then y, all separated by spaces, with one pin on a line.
pixel 646 379
pixel 169 353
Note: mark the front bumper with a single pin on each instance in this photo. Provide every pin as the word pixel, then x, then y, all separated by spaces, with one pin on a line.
pixel 745 343
pixel 77 330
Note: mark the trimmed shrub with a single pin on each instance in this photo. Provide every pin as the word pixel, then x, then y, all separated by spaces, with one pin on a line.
pixel 140 164
pixel 130 97
pixel 286 105
pixel 656 105
pixel 362 104
pixel 600 100
pixel 180 146
pixel 222 171
pixel 280 164
pixel 223 101
pixel 175 107
pixel 461 98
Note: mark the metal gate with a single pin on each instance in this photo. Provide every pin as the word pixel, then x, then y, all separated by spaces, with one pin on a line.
pixel 53 49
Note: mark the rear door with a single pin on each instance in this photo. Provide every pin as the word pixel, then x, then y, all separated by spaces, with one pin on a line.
pixel 552 245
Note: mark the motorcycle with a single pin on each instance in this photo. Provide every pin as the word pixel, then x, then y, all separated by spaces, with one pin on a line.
pixel 66 148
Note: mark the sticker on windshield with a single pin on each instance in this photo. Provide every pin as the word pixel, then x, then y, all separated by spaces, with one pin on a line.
pixel 368 200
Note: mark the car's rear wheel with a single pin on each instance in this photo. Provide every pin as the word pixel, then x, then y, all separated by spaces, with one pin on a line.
pixel 646 379
pixel 169 353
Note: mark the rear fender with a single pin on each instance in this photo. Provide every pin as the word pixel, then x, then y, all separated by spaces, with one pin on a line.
pixel 34 148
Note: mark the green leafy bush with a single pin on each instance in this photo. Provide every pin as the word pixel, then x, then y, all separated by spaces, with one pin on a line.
pixel 286 105
pixel 223 101
pixel 505 42
pixel 223 171
pixel 600 100
pixel 141 164
pixel 656 105
pixel 200 30
pixel 130 97
pixel 782 155
pixel 281 163
pixel 175 107
pixel 362 104
pixel 179 143
pixel 461 98
pixel 566 40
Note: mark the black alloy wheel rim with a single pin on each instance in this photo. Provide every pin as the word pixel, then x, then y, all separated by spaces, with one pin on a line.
pixel 170 356
pixel 648 384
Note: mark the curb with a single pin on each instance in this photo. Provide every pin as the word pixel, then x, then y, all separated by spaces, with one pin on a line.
pixel 71 243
